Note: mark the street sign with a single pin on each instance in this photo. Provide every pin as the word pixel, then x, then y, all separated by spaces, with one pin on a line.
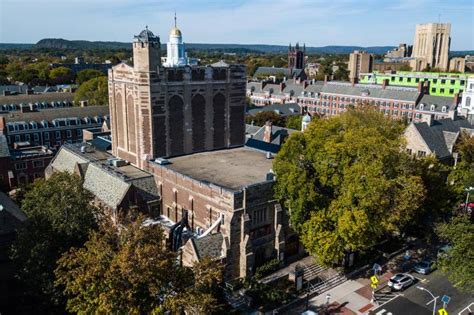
pixel 445 299
pixel 374 279
pixel 442 311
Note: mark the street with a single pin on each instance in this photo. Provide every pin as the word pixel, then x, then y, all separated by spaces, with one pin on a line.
pixel 413 300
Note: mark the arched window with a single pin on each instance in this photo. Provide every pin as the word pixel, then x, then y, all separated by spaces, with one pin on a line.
pixel 198 107
pixel 422 106
pixel 444 109
pixel 175 123
pixel 432 108
pixel 468 101
pixel 218 107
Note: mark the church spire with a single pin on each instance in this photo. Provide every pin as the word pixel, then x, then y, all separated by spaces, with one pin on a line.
pixel 175 19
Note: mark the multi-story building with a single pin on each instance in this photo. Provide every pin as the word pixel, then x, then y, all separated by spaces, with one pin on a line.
pixel 431 46
pixel 441 84
pixel 402 51
pixel 296 57
pixel 161 111
pixel 331 98
pixel 359 62
pixel 23 164
pixel 457 64
pixel 167 124
pixel 51 127
pixel 467 103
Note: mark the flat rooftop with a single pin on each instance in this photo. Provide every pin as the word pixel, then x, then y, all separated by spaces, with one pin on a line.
pixel 230 168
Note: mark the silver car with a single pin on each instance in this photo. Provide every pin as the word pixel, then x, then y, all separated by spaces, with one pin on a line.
pixel 401 281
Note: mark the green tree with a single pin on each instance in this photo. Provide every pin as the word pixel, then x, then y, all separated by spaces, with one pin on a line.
pixel 60 216
pixel 125 268
pixel 87 74
pixel 262 117
pixel 95 91
pixel 61 75
pixel 294 122
pixel 458 262
pixel 405 67
pixel 345 183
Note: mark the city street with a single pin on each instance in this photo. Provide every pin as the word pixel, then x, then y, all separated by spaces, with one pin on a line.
pixel 413 300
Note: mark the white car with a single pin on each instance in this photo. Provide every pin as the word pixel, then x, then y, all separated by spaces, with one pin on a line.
pixel 401 281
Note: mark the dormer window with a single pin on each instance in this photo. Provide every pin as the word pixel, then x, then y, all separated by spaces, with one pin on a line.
pixel 422 106
pixel 34 125
pixel 432 108
pixel 444 109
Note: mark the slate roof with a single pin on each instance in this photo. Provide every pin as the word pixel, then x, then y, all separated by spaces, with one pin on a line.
pixel 442 135
pixel 393 93
pixel 438 101
pixel 108 183
pixel 50 114
pixel 208 246
pixel 4 150
pixel 288 109
pixel 11 207
pixel 256 139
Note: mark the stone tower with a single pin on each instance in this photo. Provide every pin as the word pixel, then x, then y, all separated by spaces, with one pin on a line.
pixel 146 52
pixel 296 57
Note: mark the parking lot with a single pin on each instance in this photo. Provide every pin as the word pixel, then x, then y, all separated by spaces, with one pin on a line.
pixel 413 300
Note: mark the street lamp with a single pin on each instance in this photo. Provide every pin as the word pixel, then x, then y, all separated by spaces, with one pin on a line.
pixel 469 189
pixel 434 298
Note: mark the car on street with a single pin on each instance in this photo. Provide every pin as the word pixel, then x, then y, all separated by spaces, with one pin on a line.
pixel 401 281
pixel 424 267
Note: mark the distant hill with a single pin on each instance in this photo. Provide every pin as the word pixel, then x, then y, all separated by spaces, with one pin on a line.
pixel 59 43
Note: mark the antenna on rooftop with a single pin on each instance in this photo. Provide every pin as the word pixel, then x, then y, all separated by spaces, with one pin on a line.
pixel 174 18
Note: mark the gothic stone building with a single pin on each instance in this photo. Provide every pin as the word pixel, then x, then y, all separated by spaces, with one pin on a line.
pixel 184 127
pixel 161 111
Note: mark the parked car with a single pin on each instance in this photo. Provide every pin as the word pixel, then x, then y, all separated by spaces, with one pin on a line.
pixel 444 250
pixel 401 281
pixel 424 267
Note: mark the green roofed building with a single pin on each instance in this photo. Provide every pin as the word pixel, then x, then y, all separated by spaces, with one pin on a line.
pixel 441 84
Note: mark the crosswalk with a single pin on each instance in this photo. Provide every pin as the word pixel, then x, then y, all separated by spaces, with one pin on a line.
pixel 384 297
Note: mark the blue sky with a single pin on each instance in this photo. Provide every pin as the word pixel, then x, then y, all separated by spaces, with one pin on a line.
pixel 315 22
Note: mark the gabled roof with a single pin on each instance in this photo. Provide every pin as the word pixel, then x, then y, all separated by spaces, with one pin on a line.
pixel 256 140
pixel 287 109
pixel 279 71
pixel 208 246
pixel 441 136
pixel 50 114
pixel 11 207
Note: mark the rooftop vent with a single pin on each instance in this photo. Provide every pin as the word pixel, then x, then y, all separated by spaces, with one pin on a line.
pixel 162 161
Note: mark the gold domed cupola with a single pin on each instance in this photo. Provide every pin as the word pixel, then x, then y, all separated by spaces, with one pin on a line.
pixel 175 32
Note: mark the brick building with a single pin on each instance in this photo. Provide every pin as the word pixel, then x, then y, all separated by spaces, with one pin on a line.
pixel 178 154
pixel 51 127
pixel 158 111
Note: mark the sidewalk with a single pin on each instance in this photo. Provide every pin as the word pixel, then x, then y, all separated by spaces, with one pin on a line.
pixel 353 297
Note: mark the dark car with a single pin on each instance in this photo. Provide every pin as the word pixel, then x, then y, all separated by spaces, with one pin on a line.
pixel 424 267
pixel 401 281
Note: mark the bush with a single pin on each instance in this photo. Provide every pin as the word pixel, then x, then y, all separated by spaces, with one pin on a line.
pixel 267 268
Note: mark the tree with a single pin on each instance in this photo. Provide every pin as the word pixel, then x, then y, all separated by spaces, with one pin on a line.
pixel 59 216
pixel 87 74
pixel 125 268
pixel 294 122
pixel 262 117
pixel 61 75
pixel 95 91
pixel 345 183
pixel 465 147
pixel 458 262
pixel 405 67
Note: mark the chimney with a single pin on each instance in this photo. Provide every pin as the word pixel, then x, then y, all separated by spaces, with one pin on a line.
pixel 283 135
pixel 384 83
pixel 326 79
pixel 282 86
pixel 426 84
pixel 420 87
pixel 305 84
pixel 267 134
pixel 6 92
pixel 262 84
pixel 453 114
pixel 353 81
pixel 83 103
pixel 428 118
pixel 456 99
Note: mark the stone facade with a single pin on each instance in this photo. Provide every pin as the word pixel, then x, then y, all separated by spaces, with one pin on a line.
pixel 360 62
pixel 162 112
pixel 431 46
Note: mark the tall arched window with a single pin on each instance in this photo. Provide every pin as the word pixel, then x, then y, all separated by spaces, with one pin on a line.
pixel 198 106
pixel 218 107
pixel 176 124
